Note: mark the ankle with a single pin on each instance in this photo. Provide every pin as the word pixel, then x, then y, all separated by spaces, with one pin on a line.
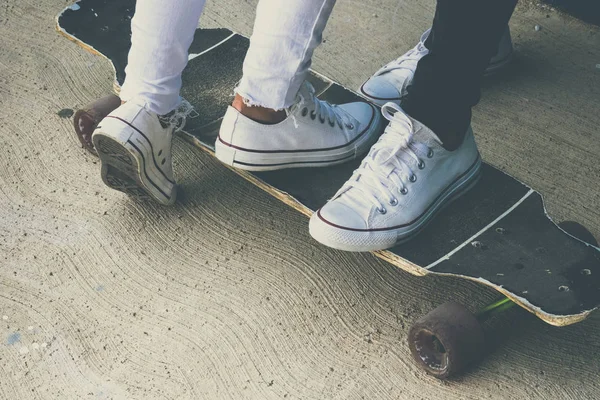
pixel 259 114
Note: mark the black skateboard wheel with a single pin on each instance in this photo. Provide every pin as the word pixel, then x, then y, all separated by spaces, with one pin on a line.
pixel 579 231
pixel 86 119
pixel 447 340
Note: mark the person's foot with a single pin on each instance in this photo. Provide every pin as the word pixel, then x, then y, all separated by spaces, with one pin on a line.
pixel 404 180
pixel 314 134
pixel 391 81
pixel 134 146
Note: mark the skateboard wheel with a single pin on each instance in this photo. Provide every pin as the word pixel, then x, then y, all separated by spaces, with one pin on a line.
pixel 579 231
pixel 88 118
pixel 447 340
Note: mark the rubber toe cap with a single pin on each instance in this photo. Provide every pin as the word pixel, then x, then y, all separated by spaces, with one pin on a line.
pixel 339 215
pixel 380 90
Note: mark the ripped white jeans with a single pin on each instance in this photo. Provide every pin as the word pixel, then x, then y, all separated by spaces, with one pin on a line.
pixel 286 32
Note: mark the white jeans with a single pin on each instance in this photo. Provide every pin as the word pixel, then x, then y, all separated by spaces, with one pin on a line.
pixel 286 32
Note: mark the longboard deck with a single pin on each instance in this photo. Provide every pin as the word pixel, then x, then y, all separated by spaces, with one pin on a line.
pixel 497 234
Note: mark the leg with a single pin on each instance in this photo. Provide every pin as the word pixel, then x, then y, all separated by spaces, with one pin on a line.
pixel 162 33
pixel 390 83
pixel 428 156
pixel 285 36
pixel 446 84
pixel 276 121
pixel 134 141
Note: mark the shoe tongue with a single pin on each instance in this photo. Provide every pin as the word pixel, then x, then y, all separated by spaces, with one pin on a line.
pixel 306 90
pixel 303 98
pixel 423 134
pixel 423 39
pixel 420 134
pixel 381 157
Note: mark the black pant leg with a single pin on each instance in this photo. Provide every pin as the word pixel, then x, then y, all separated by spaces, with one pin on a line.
pixel 447 83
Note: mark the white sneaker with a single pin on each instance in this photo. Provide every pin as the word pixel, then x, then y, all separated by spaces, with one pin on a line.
pixel 314 134
pixel 134 146
pixel 391 81
pixel 404 180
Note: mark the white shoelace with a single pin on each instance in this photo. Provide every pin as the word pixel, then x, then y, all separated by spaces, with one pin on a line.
pixel 388 168
pixel 323 110
pixel 178 117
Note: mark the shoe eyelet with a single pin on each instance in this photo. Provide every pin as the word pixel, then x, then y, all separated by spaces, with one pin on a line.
pixel 304 112
pixel 313 116
pixel 350 126
pixel 394 202
pixel 404 191
pixel 430 153
pixel 322 120
pixel 421 164
pixel 160 153
pixel 332 124
pixel 163 161
pixel 413 178
pixel 382 210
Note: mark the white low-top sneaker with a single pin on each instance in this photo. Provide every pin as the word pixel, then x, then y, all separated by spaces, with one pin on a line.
pixel 391 81
pixel 134 146
pixel 404 180
pixel 314 134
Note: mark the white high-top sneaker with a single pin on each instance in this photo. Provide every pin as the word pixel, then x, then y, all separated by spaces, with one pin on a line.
pixel 404 180
pixel 134 145
pixel 391 81
pixel 314 134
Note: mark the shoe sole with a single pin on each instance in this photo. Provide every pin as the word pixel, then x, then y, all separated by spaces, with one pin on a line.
pixel 359 241
pixel 270 161
pixel 124 169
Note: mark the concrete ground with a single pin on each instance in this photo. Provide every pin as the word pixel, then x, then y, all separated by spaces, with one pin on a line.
pixel 224 296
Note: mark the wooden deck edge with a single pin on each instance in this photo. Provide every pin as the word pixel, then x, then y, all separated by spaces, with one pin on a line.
pixel 90 49
pixel 556 320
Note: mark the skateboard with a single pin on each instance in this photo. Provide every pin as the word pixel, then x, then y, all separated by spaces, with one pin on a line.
pixel 497 234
